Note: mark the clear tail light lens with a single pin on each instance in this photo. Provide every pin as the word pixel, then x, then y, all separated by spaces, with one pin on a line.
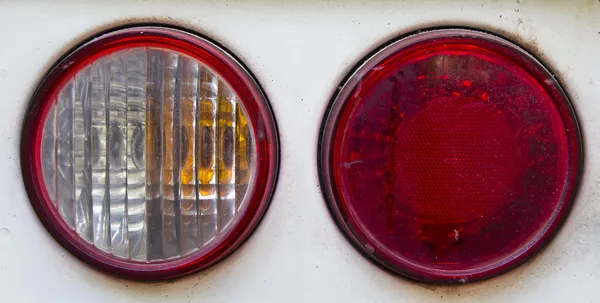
pixel 150 153
pixel 450 156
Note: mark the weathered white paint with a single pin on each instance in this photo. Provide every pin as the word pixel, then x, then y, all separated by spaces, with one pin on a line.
pixel 299 51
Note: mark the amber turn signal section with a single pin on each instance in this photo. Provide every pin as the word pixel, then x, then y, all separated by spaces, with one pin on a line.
pixel 450 156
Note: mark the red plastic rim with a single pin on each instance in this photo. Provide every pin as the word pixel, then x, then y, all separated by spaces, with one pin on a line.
pixel 250 95
pixel 450 156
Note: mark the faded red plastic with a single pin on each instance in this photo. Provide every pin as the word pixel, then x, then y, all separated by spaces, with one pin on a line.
pixel 450 156
pixel 209 54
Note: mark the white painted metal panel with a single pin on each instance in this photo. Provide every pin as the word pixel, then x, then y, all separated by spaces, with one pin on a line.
pixel 299 51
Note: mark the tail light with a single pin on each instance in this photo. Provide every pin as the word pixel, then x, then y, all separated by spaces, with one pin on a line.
pixel 149 152
pixel 450 156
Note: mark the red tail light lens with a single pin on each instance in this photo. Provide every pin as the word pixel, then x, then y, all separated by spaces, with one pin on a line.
pixel 149 152
pixel 450 156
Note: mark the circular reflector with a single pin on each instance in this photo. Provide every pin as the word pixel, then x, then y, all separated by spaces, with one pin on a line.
pixel 149 153
pixel 450 156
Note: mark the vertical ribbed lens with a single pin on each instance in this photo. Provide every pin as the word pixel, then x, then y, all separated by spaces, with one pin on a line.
pixel 147 154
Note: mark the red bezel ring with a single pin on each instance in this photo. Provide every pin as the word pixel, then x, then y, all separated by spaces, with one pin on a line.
pixel 406 214
pixel 208 53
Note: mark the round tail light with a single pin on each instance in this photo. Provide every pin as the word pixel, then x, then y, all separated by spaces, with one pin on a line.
pixel 149 152
pixel 450 156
